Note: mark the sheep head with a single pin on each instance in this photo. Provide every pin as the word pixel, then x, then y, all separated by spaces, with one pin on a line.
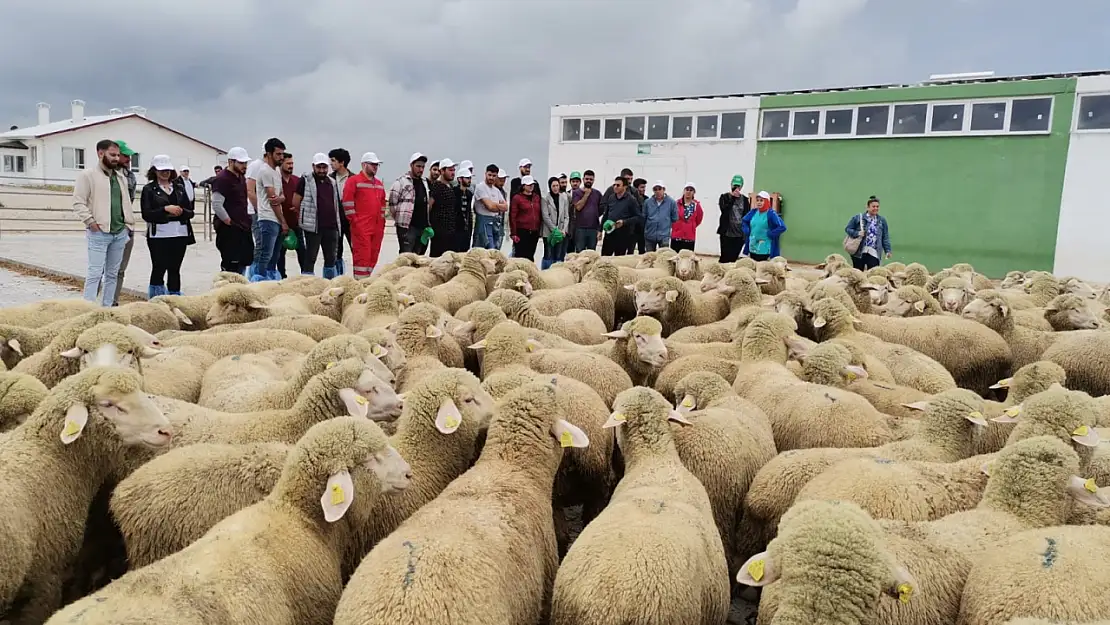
pixel 954 293
pixel 697 390
pixel 830 364
pixel 989 309
pixel 1072 312
pixel 647 340
pixel 130 345
pixel 743 284
pixel 449 398
pixel 909 301
pixel 515 280
pixel 686 265
pixel 644 413
pixel 657 296
pixel 236 303
pixel 359 390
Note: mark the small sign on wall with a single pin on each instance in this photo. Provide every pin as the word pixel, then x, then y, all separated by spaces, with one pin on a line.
pixel 643 148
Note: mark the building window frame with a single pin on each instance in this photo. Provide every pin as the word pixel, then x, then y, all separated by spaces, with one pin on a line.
pixel 14 164
pixel 970 115
pixel 564 125
pixel 820 122
pixel 1010 114
pixel 1075 114
pixel 78 163
pixel 647 117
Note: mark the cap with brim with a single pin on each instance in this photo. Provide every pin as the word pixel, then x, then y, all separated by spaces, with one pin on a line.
pixel 737 181
pixel 124 150
pixel 574 175
pixel 464 173
pixel 501 173
pixel 320 158
pixel 185 168
pixel 527 180
pixel 659 184
pixel 764 195
pixel 466 165
pixel 238 155
pixel 446 163
pixel 525 163
pixel 690 185
pixel 161 163
pixel 371 158
pixel 435 163
pixel 416 156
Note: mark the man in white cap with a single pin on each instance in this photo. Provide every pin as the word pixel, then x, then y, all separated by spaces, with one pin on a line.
pixel 445 214
pixel 408 203
pixel 316 201
pixel 364 204
pixel 525 167
pixel 660 213
pixel 232 220
pixel 463 166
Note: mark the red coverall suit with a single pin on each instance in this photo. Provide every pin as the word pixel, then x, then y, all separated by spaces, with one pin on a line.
pixel 364 204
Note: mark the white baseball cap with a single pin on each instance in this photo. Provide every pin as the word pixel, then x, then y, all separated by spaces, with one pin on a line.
pixel 689 185
pixel 501 173
pixel 320 158
pixel 415 157
pixel 464 173
pixel 659 184
pixel 238 155
pixel 527 180
pixel 524 162
pixel 466 165
pixel 185 167
pixel 562 174
pixel 371 158
pixel 764 195
pixel 446 163
pixel 161 162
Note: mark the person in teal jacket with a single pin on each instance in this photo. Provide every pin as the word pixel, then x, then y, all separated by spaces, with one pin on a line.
pixel 763 227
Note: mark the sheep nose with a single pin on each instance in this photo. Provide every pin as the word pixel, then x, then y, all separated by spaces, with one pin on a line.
pixel 408 475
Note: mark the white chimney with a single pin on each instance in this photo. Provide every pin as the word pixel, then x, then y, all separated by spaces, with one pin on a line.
pixel 44 113
pixel 115 111
pixel 138 110
pixel 78 109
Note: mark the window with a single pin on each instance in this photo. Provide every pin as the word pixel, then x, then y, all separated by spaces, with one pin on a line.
pixel 657 127
pixel 34 156
pixel 591 129
pixel 612 129
pixel 872 120
pixel 707 126
pixel 839 122
pixel 909 119
pixel 1030 115
pixel 135 163
pixel 73 158
pixel 776 124
pixel 15 164
pixel 1094 112
pixel 732 125
pixel 806 123
pixel 572 129
pixel 682 127
pixel 947 118
pixel 634 128
pixel 988 116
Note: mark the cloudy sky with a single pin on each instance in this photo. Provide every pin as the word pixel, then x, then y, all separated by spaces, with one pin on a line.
pixel 474 79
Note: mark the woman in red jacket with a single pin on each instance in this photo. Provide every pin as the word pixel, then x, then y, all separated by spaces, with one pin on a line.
pixel 525 219
pixel 685 230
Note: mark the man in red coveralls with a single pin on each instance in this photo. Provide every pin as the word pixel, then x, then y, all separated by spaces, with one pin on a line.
pixel 364 204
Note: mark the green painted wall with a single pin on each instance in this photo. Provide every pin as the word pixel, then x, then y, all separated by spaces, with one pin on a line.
pixel 992 201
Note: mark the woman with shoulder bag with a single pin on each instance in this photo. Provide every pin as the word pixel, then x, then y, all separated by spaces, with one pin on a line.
pixel 167 211
pixel 868 237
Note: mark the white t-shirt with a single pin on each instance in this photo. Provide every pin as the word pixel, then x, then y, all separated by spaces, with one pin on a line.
pixel 484 191
pixel 252 172
pixel 266 177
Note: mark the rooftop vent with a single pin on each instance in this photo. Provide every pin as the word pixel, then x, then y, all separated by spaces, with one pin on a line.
pixel 137 110
pixel 115 111
pixel 44 113
pixel 960 76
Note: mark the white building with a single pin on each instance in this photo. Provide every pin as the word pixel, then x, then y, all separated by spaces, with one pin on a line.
pixel 705 141
pixel 53 152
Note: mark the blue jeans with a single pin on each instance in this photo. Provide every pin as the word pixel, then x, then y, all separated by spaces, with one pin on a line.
pixel 487 231
pixel 553 253
pixel 105 257
pixel 651 246
pixel 265 257
pixel 585 239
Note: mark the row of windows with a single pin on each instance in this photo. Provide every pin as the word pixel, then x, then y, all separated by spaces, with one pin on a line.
pixel 15 164
pixel 656 127
pixel 74 158
pixel 1018 115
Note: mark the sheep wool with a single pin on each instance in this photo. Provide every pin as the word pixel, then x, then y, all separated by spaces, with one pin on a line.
pixel 677 306
pixel 669 565
pixel 598 291
pixel 638 347
pixel 468 286
pixel 46 312
pixel 331 483
pixel 20 394
pixel 580 326
pixel 496 518
pixel 419 330
pixel 236 342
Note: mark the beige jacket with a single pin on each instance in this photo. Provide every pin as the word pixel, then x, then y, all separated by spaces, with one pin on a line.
pixel 92 198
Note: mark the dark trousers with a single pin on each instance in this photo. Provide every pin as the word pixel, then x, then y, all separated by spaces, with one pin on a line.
pixel 346 228
pixel 442 242
pixel 618 242
pixel 731 248
pixel 166 256
pixel 863 262
pixel 408 240
pixel 637 244
pixel 236 248
pixel 526 246
pixel 585 239
pixel 300 252
pixel 682 244
pixel 315 242
pixel 755 256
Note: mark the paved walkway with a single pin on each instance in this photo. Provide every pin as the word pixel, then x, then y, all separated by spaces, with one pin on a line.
pixel 17 289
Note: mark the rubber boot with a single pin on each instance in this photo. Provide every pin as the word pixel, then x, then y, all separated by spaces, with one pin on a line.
pixel 273 275
pixel 340 268
pixel 154 290
pixel 545 263
pixel 176 293
pixel 308 273
pixel 329 272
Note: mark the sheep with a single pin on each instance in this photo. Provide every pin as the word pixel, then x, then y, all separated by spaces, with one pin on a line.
pixel 419 331
pixel 45 312
pixel 909 367
pixel 729 440
pixel 1049 573
pixel 331 484
pixel 20 394
pixel 976 356
pixel 67 449
pixel 841 364
pixel 772 277
pixel 669 566
pixel 496 517
pixel 190 310
pixel 389 351
pixel 439 430
pixel 687 265
pixel 855 283
pixel 1058 412
pixel 1028 381
pixel 741 287
pixel 911 301
pixel 18 343
pixel 513 280
pixel 54 364
pixel 315 327
pixel 236 342
pixel 580 326
pixel 468 286
pixel 376 308
pixel 597 292
pixel 677 306
pixel 439 270
pixel 914 274
pixel 832 264
pixel 224 388
pixel 1036 318
pixel 954 293
pixel 1030 486
pixel 507 347
pixel 643 356
pixel 1069 312
pixel 1039 291
pixel 404 259
pixel 236 303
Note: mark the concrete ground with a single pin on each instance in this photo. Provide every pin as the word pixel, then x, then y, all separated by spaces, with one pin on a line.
pixel 17 289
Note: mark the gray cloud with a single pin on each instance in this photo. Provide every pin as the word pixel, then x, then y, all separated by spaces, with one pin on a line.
pixel 474 79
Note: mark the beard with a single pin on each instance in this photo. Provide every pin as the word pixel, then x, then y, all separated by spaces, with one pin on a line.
pixel 109 165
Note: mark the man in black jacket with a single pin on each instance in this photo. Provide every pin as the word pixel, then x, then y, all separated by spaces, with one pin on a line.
pixel 525 167
pixel 734 205
pixel 625 213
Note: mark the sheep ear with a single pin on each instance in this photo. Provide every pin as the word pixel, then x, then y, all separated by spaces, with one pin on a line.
pixel 902 584
pixel 355 403
pixel 336 291
pixel 1008 415
pixel 615 419
pixel 976 417
pixel 147 351
pixel 448 417
pixel 533 345
pixel 405 299
pixel 919 305
pixel 569 435
pixel 630 287
pixel 362 298
pixel 678 417
pixel 75 352
pixel 616 334
pixel 338 495
pixel 1004 309
pixel 257 306
pixel 433 332
pixel 818 322
pixel 762 281
pixel 985 468
pixel 378 351
pixel 758 571
pixel 77 417
pixel 917 405
pixel 727 289
pixel 672 296
pixel 856 321
pixel 851 372
pixel 182 317
pixel 1003 383
pixel 14 344
pixel 1086 436
pixel 687 404
pixel 1087 492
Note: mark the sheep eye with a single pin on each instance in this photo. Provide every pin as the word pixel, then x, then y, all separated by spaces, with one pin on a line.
pixel 469 400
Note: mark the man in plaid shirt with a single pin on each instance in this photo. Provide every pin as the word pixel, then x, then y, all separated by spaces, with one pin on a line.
pixel 408 204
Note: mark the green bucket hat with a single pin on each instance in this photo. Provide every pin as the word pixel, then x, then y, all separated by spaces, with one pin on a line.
pixel 574 175
pixel 737 180
pixel 608 225
pixel 124 150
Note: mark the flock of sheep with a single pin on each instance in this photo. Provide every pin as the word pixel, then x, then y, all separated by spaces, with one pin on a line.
pixel 611 441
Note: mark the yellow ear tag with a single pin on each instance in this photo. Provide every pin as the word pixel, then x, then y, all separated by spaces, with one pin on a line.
pixel 850 376
pixel 755 570
pixel 451 422
pixel 530 347
pixel 565 440
pixel 360 400
pixel 905 591
pixel 619 416
pixel 1012 411
pixel 1091 486
pixel 330 365
pixel 688 403
pixel 337 495
pixel 72 428
pixel 376 350
pixel 1081 431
